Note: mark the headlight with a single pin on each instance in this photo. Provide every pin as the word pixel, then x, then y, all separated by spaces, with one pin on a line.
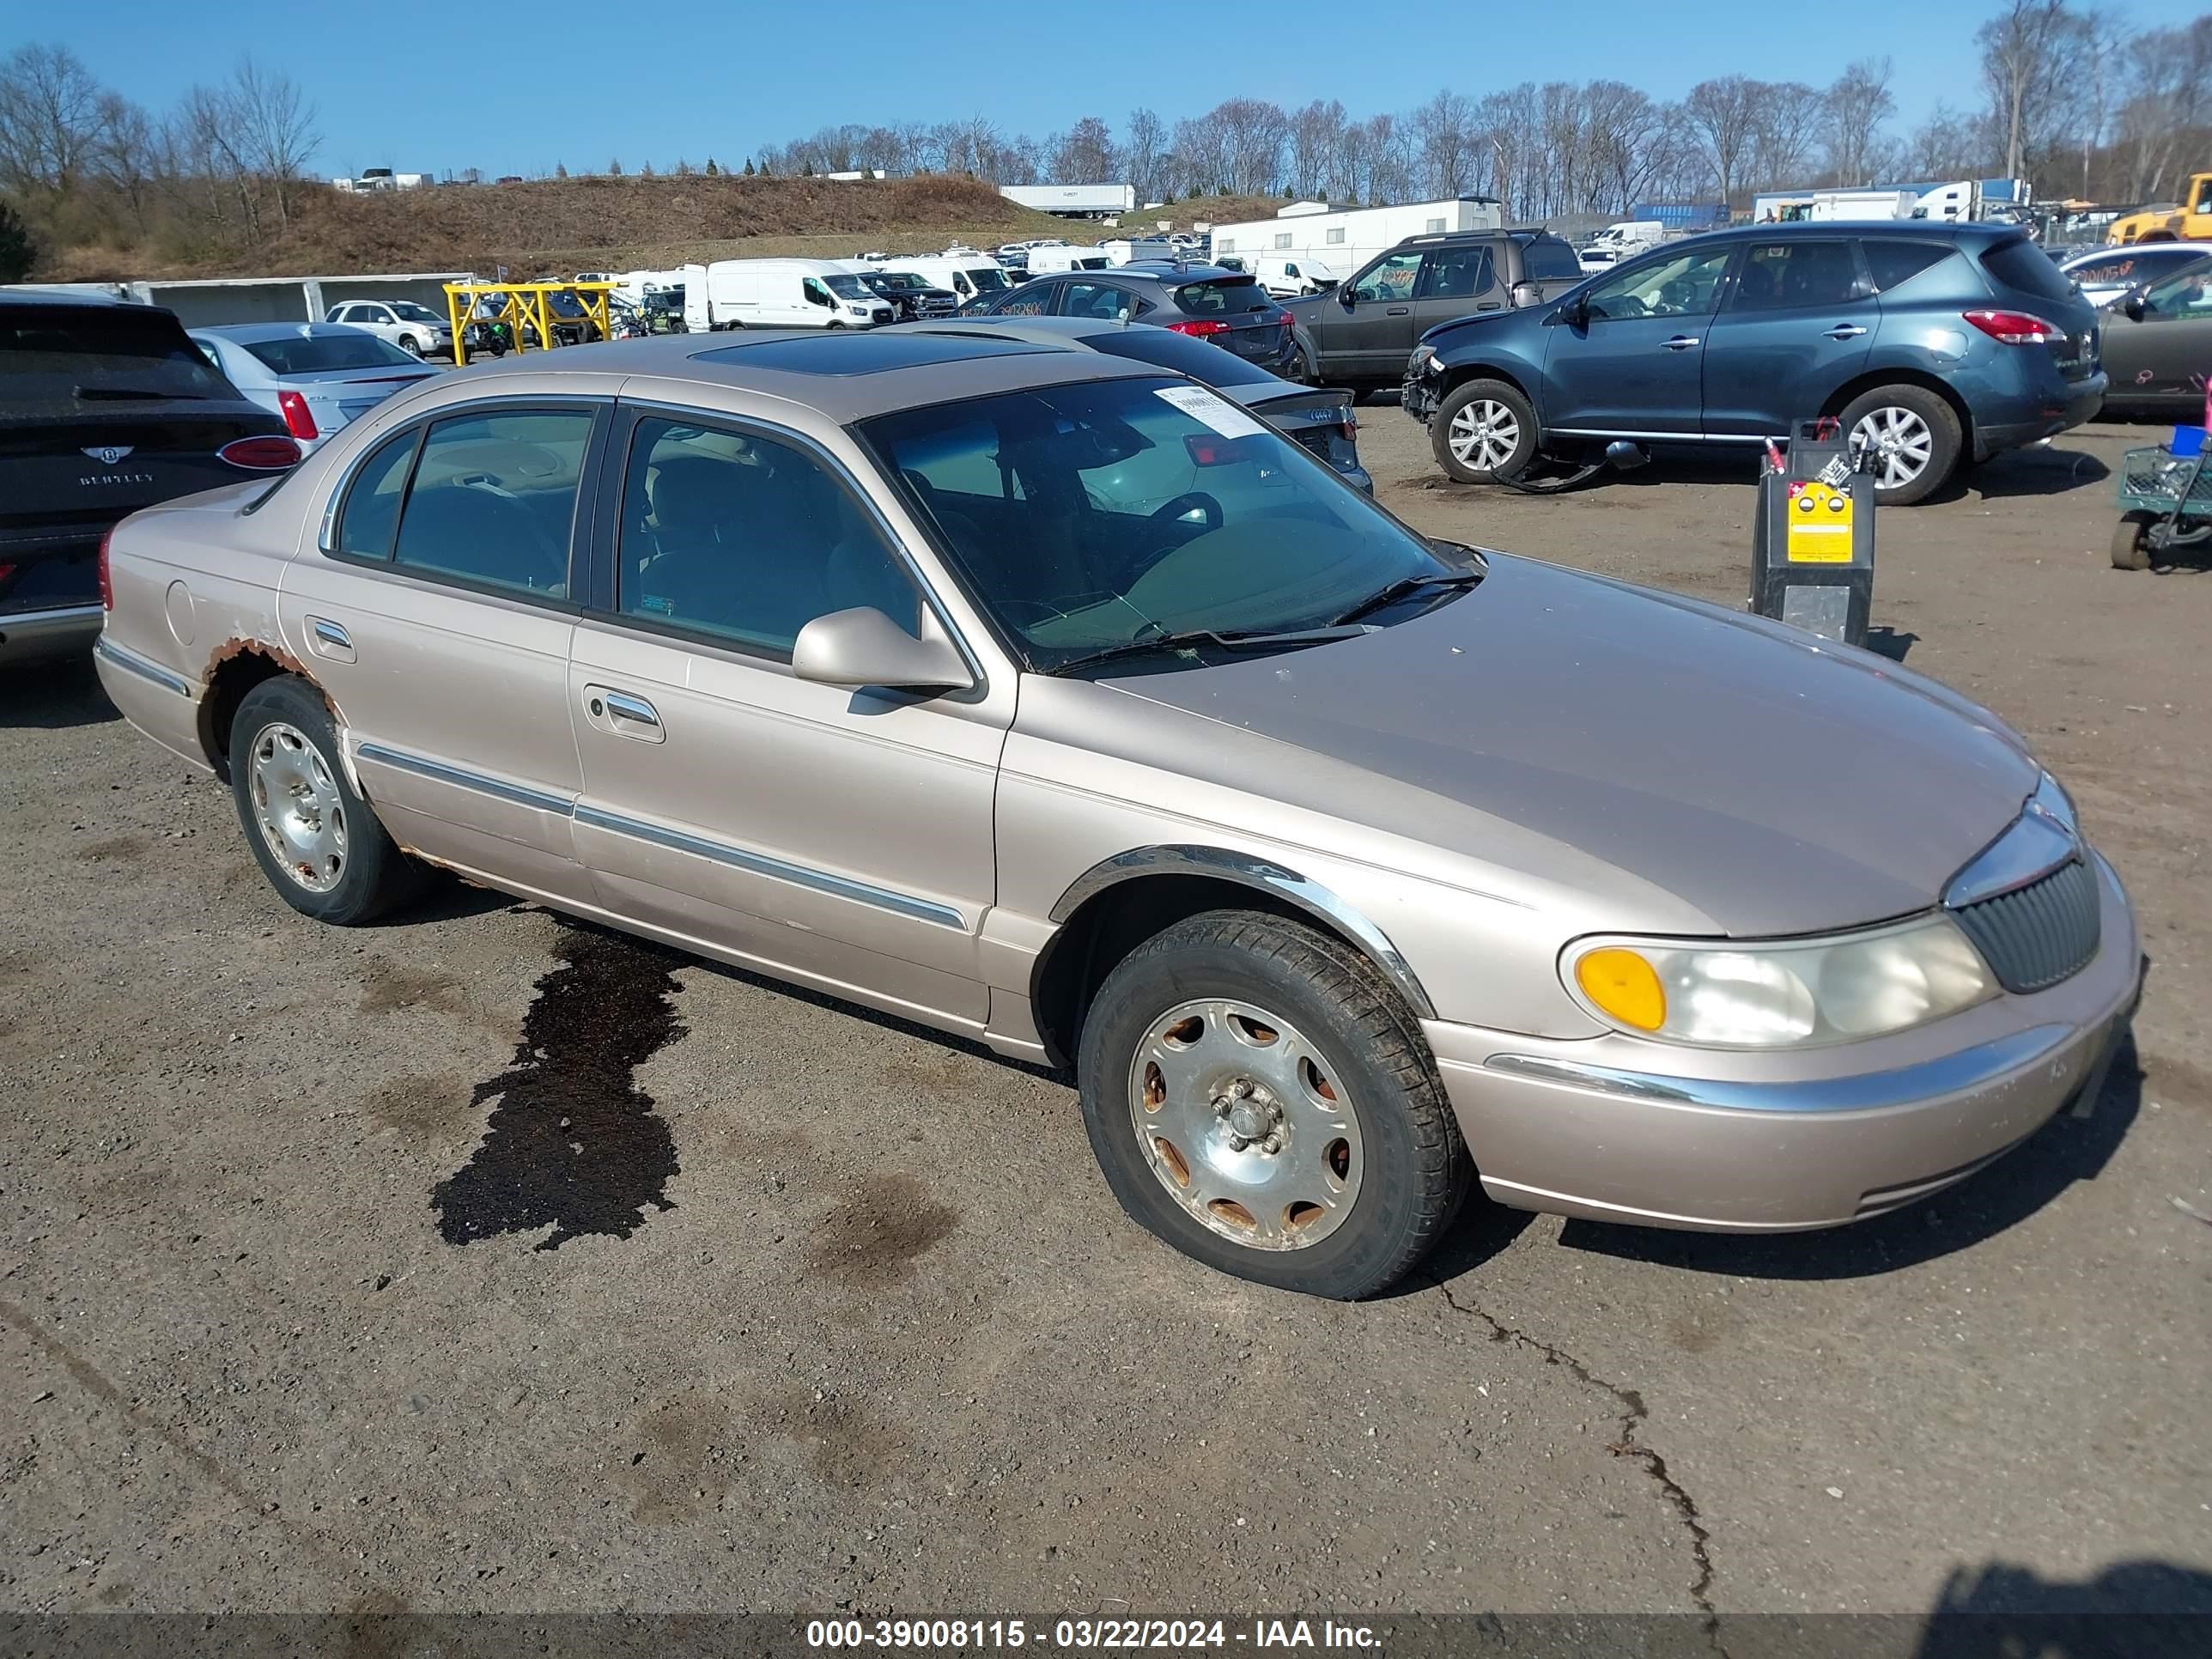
pixel 857 311
pixel 1424 360
pixel 1789 993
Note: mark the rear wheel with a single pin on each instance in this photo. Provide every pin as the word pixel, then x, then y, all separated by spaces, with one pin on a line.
pixel 2131 541
pixel 1484 432
pixel 1259 1098
pixel 312 835
pixel 1912 440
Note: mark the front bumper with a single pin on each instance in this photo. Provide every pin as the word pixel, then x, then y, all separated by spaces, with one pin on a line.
pixel 65 630
pixel 1778 1144
pixel 1417 398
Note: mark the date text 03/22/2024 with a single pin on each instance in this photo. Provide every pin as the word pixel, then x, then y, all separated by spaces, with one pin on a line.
pixel 1086 1635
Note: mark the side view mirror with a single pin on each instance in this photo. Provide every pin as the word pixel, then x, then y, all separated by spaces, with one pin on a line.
pixel 1575 314
pixel 2133 305
pixel 1345 296
pixel 1526 293
pixel 863 646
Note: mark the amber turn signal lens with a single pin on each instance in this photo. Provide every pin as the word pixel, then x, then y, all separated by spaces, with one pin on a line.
pixel 1624 986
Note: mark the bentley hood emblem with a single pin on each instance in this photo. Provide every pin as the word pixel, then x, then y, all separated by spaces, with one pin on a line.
pixel 108 454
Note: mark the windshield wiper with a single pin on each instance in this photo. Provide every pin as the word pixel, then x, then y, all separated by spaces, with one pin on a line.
pixel 137 394
pixel 1192 636
pixel 1405 584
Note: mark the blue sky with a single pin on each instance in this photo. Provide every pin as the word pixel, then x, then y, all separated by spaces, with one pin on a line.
pixel 515 88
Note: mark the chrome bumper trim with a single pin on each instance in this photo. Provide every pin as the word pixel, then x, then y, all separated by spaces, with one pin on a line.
pixel 130 662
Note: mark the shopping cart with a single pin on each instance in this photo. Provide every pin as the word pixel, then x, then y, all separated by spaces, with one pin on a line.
pixel 2165 501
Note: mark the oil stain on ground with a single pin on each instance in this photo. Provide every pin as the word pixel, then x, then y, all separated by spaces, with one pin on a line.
pixel 574 1142
pixel 873 1236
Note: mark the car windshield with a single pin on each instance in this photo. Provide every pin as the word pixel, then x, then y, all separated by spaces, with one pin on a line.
pixel 1107 513
pixel 316 353
pixel 988 279
pixel 407 312
pixel 72 357
pixel 895 282
pixel 846 287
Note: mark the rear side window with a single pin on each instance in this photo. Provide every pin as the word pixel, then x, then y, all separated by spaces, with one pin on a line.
pixel 2018 265
pixel 371 513
pixel 312 354
pixel 86 358
pixel 494 499
pixel 1892 263
pixel 1546 258
pixel 1227 296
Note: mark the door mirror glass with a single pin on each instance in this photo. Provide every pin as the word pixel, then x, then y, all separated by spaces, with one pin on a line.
pixel 2133 305
pixel 863 646
pixel 1346 296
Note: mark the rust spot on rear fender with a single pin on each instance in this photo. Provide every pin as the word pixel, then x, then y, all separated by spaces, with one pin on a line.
pixel 231 649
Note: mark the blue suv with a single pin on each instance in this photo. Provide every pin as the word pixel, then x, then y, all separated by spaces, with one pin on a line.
pixel 1931 343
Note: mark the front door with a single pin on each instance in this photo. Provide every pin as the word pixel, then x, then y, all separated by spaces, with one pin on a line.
pixel 2162 358
pixel 1634 363
pixel 436 619
pixel 1370 339
pixel 1798 322
pixel 839 837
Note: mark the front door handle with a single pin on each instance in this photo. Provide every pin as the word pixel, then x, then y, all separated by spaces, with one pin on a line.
pixel 1397 311
pixel 1681 342
pixel 624 714
pixel 1845 331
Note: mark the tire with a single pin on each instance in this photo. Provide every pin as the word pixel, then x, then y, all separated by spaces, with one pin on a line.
pixel 410 345
pixel 1278 1021
pixel 1924 428
pixel 1484 431
pixel 2131 541
pixel 281 742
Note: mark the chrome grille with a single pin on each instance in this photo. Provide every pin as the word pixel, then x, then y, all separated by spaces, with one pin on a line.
pixel 2037 935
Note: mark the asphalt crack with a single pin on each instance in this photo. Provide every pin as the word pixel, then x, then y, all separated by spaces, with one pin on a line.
pixel 1633 1412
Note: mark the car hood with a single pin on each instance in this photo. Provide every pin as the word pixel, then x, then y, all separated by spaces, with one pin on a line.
pixel 1619 741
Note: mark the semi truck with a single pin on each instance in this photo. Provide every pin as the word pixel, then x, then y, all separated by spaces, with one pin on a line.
pixel 1073 201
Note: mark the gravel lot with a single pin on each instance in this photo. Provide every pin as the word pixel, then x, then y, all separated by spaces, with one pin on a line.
pixel 280 1327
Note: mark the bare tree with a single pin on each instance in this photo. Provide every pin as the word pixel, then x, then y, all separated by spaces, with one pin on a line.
pixel 275 128
pixel 1144 152
pixel 1444 130
pixel 130 157
pixel 1946 145
pixel 1784 131
pixel 2169 91
pixel 1630 144
pixel 1723 114
pixel 1253 133
pixel 1316 136
pixel 1085 153
pixel 2029 51
pixel 1859 104
pixel 49 123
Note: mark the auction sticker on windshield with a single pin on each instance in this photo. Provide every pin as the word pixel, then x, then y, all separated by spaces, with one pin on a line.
pixel 1219 413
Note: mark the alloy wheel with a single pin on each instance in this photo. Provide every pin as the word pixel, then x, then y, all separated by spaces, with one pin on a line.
pixel 1899 440
pixel 1484 436
pixel 298 807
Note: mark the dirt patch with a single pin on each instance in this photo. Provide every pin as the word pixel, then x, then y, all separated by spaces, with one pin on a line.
pixel 678 1466
pixel 422 1106
pixel 844 1443
pixel 574 1141
pixel 872 1238
pixel 387 986
pixel 115 849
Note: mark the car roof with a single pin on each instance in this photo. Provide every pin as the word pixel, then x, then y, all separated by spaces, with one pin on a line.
pixel 32 296
pixel 254 333
pixel 1928 230
pixel 847 374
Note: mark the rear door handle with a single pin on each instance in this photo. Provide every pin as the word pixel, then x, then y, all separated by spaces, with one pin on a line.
pixel 327 638
pixel 1845 331
pixel 623 713
pixel 1681 342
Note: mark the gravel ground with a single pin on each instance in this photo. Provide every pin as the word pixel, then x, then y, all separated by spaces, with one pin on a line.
pixel 279 1328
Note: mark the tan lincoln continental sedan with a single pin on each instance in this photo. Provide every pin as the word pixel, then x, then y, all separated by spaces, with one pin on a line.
pixel 1052 700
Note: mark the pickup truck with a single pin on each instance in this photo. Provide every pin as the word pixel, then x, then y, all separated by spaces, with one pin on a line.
pixel 2189 221
pixel 1360 333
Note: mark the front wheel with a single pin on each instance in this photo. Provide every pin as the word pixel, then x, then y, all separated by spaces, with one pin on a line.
pixel 410 345
pixel 1484 432
pixel 1911 439
pixel 1259 1098
pixel 312 835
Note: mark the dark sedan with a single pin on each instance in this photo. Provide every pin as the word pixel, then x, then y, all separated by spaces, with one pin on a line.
pixel 1227 309
pixel 2158 346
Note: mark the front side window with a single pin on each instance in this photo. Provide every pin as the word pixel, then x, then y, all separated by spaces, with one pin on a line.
pixel 1110 511
pixel 747 539
pixel 815 293
pixel 1680 285
pixel 1391 277
pixel 1794 274
pixel 494 499
pixel 2186 294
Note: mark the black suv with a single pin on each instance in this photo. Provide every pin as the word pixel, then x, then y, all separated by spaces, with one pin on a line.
pixel 108 408
pixel 1360 333
pixel 1207 302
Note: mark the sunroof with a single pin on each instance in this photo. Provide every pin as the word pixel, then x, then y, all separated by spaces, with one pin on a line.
pixel 842 351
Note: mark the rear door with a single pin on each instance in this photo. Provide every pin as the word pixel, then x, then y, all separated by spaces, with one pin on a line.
pixel 107 409
pixel 838 837
pixel 1798 320
pixel 1635 364
pixel 437 612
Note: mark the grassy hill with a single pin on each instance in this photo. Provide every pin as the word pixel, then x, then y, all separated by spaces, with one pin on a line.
pixel 566 225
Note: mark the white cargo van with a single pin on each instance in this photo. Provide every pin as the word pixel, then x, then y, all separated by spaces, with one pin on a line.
pixel 966 275
pixel 1285 276
pixel 790 294
pixel 1044 261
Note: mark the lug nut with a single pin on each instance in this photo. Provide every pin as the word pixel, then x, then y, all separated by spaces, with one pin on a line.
pixel 1221 1105
pixel 1236 1142
pixel 1273 1143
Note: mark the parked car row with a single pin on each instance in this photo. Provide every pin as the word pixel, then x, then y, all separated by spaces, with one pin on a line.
pixel 1203 821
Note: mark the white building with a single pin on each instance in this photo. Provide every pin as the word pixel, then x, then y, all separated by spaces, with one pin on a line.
pixel 1345 239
